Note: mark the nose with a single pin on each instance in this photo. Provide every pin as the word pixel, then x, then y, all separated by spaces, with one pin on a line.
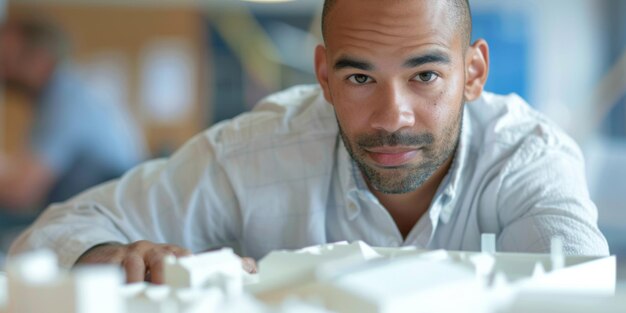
pixel 394 109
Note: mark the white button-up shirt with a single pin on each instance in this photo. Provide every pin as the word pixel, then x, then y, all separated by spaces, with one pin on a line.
pixel 279 177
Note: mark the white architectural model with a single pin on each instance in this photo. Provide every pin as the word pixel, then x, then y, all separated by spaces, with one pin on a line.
pixel 35 284
pixel 411 280
pixel 337 277
pixel 220 268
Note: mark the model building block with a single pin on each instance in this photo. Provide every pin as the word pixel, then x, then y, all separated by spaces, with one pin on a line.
pixel 36 284
pixel 220 268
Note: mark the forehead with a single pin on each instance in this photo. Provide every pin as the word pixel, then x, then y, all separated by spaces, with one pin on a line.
pixel 383 25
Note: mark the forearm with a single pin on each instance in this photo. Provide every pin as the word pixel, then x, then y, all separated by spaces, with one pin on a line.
pixel 68 233
pixel 547 196
pixel 133 208
pixel 534 233
pixel 176 202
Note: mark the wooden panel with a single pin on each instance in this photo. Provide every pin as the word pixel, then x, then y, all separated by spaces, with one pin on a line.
pixel 128 30
pixel 15 122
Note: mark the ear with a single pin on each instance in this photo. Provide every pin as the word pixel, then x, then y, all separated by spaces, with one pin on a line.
pixel 476 69
pixel 321 71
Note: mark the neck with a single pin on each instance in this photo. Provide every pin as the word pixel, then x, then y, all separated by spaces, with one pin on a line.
pixel 406 209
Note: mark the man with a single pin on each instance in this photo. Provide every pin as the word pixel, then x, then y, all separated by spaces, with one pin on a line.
pixel 397 146
pixel 77 140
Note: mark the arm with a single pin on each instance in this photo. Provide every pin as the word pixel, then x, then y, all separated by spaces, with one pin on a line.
pixel 143 260
pixel 543 193
pixel 186 201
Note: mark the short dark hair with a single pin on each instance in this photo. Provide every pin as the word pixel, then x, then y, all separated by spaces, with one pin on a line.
pixel 462 14
pixel 40 32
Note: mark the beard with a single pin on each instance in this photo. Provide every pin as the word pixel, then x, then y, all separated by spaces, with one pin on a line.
pixel 407 177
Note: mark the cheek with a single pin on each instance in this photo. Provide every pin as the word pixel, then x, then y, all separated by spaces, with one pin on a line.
pixel 434 114
pixel 444 112
pixel 349 120
pixel 351 109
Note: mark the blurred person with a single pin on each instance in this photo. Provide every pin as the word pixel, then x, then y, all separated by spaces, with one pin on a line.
pixel 77 140
pixel 398 145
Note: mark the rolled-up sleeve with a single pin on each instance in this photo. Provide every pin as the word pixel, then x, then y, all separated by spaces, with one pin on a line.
pixel 543 194
pixel 186 200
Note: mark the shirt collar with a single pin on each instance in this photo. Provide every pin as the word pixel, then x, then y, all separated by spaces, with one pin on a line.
pixel 350 178
pixel 450 185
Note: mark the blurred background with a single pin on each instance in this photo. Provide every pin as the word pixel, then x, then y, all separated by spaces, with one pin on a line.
pixel 172 68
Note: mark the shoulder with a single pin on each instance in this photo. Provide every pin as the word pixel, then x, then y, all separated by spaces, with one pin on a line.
pixel 532 177
pixel 296 114
pixel 68 98
pixel 506 127
pixel 65 87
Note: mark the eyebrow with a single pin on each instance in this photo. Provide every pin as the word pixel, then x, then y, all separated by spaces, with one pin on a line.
pixel 432 57
pixel 349 62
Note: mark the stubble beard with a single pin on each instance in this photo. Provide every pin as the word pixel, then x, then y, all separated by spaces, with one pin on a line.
pixel 405 178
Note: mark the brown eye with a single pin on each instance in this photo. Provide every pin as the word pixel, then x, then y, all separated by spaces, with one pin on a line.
pixel 359 79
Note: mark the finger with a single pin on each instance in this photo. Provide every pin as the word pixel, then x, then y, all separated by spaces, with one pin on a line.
pixel 249 265
pixel 154 260
pixel 178 251
pixel 135 268
pixel 140 247
pixel 103 253
pixel 148 276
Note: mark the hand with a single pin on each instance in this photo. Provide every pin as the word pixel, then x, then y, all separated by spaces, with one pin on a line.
pixel 142 260
pixel 249 265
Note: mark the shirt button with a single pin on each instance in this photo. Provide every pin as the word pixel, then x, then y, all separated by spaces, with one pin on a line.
pixel 444 199
pixel 352 210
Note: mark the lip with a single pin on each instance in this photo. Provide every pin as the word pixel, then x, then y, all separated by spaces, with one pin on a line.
pixel 392 156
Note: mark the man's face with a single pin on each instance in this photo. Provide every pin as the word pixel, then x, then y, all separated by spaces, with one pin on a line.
pixel 395 76
pixel 12 60
pixel 11 49
pixel 22 69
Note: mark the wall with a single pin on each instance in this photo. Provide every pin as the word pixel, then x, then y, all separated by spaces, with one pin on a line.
pixel 2 12
pixel 115 40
